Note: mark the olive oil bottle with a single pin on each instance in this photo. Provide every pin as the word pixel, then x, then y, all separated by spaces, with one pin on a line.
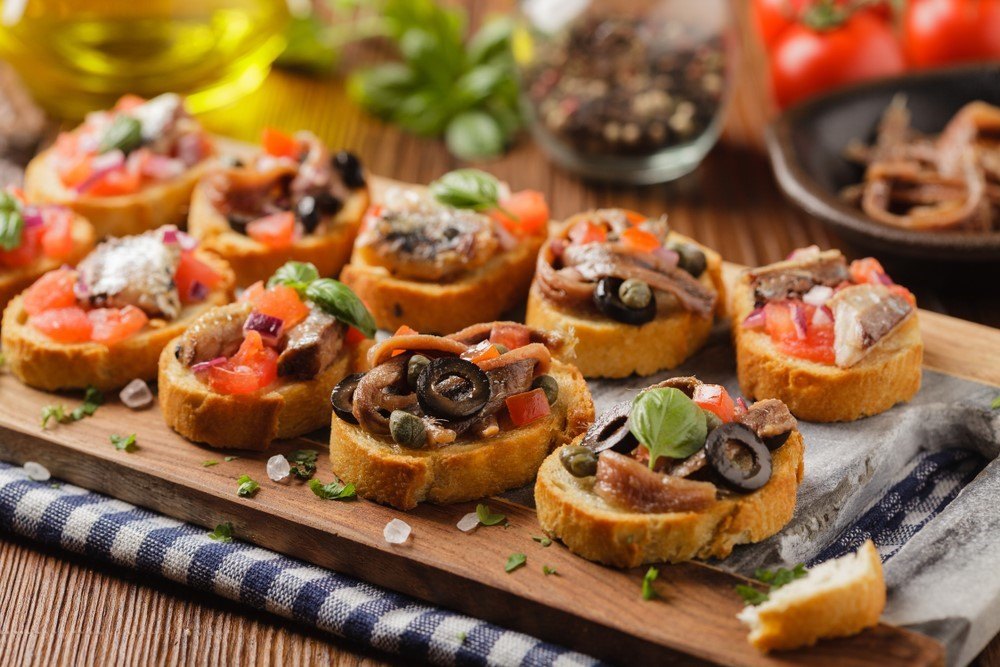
pixel 81 55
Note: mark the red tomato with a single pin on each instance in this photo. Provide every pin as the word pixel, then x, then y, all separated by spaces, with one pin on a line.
pixel 353 336
pixel 52 290
pixel 481 352
pixel 523 213
pixel 275 231
pixel 527 407
pixel 640 240
pixel 191 270
pixel 405 331
pixel 64 325
pixel 772 17
pixel 253 367
pixel 585 232
pixel 57 237
pixel 715 398
pixel 938 32
pixel 116 182
pixel 27 252
pixel 253 293
pixel 280 144
pixel 112 325
pixel 74 169
pixel 512 336
pixel 868 270
pixel 794 331
pixel 283 302
pixel 806 61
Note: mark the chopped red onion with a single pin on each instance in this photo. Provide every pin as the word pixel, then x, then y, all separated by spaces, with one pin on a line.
pixel 205 365
pixel 190 149
pixel 822 316
pixel 798 314
pixel 32 217
pixel 269 327
pixel 102 165
pixel 198 291
pixel 136 395
pixel 161 167
pixel 818 295
pixel 755 320
pixel 741 407
pixel 668 256
pixel 804 253
pixel 172 235
pixel 883 278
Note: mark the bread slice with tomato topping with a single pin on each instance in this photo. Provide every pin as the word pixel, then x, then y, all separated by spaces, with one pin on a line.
pixel 835 342
pixel 436 268
pixel 103 323
pixel 127 170
pixel 636 297
pixel 724 475
pixel 294 201
pixel 461 417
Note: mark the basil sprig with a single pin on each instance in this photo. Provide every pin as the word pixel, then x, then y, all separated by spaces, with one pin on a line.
pixel 668 423
pixel 124 133
pixel 331 295
pixel 467 188
pixel 11 222
pixel 296 275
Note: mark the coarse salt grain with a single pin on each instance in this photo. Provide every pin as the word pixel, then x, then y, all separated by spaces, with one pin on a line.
pixel 278 468
pixel 468 522
pixel 396 532
pixel 37 472
pixel 136 395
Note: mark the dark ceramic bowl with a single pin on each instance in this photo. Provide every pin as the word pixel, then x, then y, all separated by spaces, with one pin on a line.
pixel 807 142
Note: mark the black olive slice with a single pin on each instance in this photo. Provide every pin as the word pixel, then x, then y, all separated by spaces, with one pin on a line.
pixel 342 397
pixel 349 166
pixel 739 456
pixel 608 301
pixel 308 214
pixel 452 388
pixel 775 441
pixel 611 431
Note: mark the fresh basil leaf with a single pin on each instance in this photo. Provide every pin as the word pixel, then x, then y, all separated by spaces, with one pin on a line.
pixel 247 487
pixel 648 592
pixel 479 83
pixel 297 275
pixel 491 41
pixel 11 222
pixel 337 299
pixel 467 188
pixel 124 443
pixel 474 135
pixel 544 540
pixel 124 133
pixel 335 490
pixel 423 113
pixel 487 517
pixel 222 533
pixel 514 561
pixel 751 595
pixel 309 46
pixel 668 423
pixel 380 89
pixel 546 570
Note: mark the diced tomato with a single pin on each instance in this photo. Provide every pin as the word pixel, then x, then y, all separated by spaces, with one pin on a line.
pixel 253 293
pixel 191 270
pixel 64 325
pixel 283 302
pixel 27 252
pixel 640 240
pixel 74 170
pixel 634 217
pixel 715 398
pixel 481 352
pixel 57 236
pixel 280 144
pixel 276 231
pixel 112 325
pixel 116 182
pixel 585 232
pixel 406 331
pixel 353 336
pixel 779 321
pixel 528 406
pixel 512 336
pixel 53 290
pixel 523 213
pixel 868 270
pixel 128 102
pixel 253 367
pixel 795 332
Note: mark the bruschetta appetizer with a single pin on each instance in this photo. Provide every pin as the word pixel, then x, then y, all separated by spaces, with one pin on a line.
pixel 262 368
pixel 681 472
pixel 637 297
pixel 451 418
pixel 834 341
pixel 103 323
pixel 446 258
pixel 35 239
pixel 292 201
pixel 127 170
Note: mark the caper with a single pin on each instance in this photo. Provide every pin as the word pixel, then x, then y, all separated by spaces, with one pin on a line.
pixel 691 258
pixel 407 429
pixel 712 420
pixel 501 348
pixel 417 363
pixel 635 293
pixel 579 461
pixel 548 384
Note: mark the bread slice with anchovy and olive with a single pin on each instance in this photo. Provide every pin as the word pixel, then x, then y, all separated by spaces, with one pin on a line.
pixel 436 268
pixel 837 598
pixel 134 275
pixel 469 415
pixel 636 297
pixel 708 494
pixel 843 341
pixel 145 193
pixel 323 196
pixel 240 378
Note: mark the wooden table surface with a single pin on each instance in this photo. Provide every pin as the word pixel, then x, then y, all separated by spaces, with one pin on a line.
pixel 59 608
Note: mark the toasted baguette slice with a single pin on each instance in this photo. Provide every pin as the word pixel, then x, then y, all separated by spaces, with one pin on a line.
pixel 838 598
pixel 153 206
pixel 889 374
pixel 568 509
pixel 606 348
pixel 387 473
pixel 482 295
pixel 252 261
pixel 16 280
pixel 41 362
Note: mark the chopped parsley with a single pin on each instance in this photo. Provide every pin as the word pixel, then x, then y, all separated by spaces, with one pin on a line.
pixel 247 487
pixel 230 458
pixel 751 595
pixel 487 517
pixel 303 462
pixel 995 405
pixel 515 561
pixel 53 412
pixel 648 592
pixel 775 580
pixel 92 400
pixel 124 443
pixel 544 540
pixel 222 533
pixel 209 463
pixel 335 490
pixel 546 570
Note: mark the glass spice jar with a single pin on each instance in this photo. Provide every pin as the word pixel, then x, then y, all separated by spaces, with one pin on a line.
pixel 630 91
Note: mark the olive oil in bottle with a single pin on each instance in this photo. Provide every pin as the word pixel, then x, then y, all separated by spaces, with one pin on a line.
pixel 81 55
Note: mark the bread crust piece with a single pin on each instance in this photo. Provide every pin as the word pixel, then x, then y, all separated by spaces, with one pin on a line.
pixel 815 611
pixel 387 473
pixel 153 206
pixel 887 375
pixel 606 348
pixel 252 261
pixel 15 280
pixel 40 362
pixel 481 295
pixel 589 526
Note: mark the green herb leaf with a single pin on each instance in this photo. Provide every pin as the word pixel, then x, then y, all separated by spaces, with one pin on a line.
pixel 751 595
pixel 297 275
pixel 124 443
pixel 230 458
pixel 124 133
pixel 546 570
pixel 304 462
pixel 996 403
pixel 209 463
pixel 668 423
pixel 222 533
pixel 247 487
pixel 11 221
pixel 474 135
pixel 337 299
pixel 487 517
pixel 781 576
pixel 335 490
pixel 491 42
pixel 467 188
pixel 515 561
pixel 648 592
pixel 461 637
pixel 544 540
pixel 53 412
